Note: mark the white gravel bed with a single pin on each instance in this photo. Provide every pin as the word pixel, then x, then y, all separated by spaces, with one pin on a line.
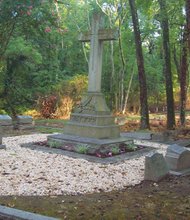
pixel 28 172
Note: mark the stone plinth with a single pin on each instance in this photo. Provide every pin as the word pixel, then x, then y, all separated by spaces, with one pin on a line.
pixel 92 119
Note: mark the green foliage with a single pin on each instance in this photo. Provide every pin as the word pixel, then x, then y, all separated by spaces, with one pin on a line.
pixel 54 144
pixel 115 150
pixel 20 47
pixel 131 146
pixel 82 149
pixel 40 53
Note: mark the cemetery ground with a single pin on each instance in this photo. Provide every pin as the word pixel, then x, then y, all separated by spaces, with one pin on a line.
pixel 167 199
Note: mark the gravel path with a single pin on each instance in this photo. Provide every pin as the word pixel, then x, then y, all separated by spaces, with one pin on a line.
pixel 28 172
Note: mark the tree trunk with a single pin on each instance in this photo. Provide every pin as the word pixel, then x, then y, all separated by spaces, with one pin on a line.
pixel 128 91
pixel 167 66
pixel 188 22
pixel 123 69
pixel 141 70
pixel 184 65
pixel 183 81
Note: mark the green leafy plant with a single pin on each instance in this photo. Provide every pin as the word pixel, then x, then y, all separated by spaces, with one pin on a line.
pixel 115 150
pixel 82 149
pixel 54 144
pixel 131 146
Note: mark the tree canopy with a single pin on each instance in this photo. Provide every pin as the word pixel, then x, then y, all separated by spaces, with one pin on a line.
pixel 40 52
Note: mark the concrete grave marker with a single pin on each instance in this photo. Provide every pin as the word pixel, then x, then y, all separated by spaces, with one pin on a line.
pixel 5 125
pixel 22 122
pixel 2 146
pixel 155 167
pixel 178 159
pixel 5 120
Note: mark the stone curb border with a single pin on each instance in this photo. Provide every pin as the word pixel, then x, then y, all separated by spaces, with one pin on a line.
pixel 109 160
pixel 7 213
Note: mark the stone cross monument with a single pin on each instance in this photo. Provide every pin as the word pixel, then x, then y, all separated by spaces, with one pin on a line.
pixel 92 118
pixel 96 37
pixel 91 121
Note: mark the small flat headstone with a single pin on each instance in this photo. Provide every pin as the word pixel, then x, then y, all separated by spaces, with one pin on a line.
pixel 178 159
pixel 155 167
pixel 5 120
pixel 181 143
pixel 23 122
pixel 24 119
pixel 138 135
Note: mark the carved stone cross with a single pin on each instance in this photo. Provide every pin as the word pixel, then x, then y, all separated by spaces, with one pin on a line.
pixel 96 38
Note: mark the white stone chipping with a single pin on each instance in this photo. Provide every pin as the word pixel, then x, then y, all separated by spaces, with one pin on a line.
pixel 28 172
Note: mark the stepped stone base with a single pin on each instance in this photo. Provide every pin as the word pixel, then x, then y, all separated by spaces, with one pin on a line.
pixel 92 131
pixel 91 123
pixel 77 139
pixel 92 119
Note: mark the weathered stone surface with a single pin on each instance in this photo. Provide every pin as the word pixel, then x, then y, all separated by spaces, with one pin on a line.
pixel 92 131
pixel 23 122
pixel 165 136
pixel 11 213
pixel 2 146
pixel 178 158
pixel 138 135
pixel 182 143
pixel 24 119
pixel 64 138
pixel 155 167
pixel 5 120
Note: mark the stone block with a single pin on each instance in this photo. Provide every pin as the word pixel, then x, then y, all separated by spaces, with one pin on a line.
pixel 155 167
pixel 138 135
pixel 23 122
pixel 5 120
pixel 178 158
pixel 24 119
pixel 2 146
pixel 92 131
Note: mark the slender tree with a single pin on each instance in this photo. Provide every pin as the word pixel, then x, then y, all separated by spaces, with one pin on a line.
pixel 184 65
pixel 167 65
pixel 141 69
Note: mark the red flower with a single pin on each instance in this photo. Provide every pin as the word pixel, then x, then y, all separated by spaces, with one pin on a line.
pixel 47 29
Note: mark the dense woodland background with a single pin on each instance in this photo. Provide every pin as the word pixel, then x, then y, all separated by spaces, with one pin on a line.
pixel 44 68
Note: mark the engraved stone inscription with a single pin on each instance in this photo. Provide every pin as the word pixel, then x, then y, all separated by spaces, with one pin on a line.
pixel 83 120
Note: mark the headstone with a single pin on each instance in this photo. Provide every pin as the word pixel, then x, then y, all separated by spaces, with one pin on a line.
pixel 2 146
pixel 155 167
pixel 23 122
pixel 181 143
pixel 5 122
pixel 178 159
pixel 5 125
pixel 138 135
pixel 92 118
